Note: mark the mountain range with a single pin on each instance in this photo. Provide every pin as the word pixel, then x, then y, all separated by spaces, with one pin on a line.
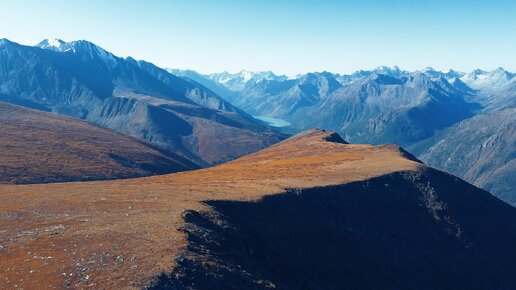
pixel 118 174
pixel 211 119
pixel 84 81
pixel 390 105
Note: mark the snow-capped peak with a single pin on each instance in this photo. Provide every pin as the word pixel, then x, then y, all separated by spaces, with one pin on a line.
pixel 246 75
pixel 83 47
pixel 429 69
pixel 53 44
pixel 56 42
pixel 386 68
pixel 500 72
pixel 482 79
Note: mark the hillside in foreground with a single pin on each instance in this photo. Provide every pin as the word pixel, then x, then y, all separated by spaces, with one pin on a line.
pixel 308 213
pixel 40 147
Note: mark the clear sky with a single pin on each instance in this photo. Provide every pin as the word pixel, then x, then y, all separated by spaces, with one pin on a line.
pixel 287 37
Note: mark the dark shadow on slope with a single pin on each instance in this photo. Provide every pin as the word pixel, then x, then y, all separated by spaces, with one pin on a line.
pixel 405 230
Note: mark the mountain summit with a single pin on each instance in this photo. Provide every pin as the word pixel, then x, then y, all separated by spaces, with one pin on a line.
pixel 53 43
pixel 84 49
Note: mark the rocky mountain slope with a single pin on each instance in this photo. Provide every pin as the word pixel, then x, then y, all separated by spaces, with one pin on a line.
pixel 82 80
pixel 39 147
pixel 282 98
pixel 482 150
pixel 383 109
pixel 311 212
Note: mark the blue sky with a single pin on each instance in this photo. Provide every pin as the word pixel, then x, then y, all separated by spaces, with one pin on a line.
pixel 287 37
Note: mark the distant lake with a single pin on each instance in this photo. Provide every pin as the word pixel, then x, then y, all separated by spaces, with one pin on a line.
pixel 273 122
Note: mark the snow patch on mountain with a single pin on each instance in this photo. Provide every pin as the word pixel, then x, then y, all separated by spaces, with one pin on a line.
pixel 238 81
pixel 479 79
pixel 83 47
pixel 53 44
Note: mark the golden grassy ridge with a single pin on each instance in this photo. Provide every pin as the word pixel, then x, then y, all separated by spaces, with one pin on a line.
pixel 119 234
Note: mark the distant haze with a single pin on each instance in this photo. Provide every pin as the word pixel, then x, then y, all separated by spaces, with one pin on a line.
pixel 287 37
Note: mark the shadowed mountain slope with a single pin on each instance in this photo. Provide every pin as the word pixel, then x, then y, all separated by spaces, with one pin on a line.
pixel 482 150
pixel 39 147
pixel 310 212
pixel 405 230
